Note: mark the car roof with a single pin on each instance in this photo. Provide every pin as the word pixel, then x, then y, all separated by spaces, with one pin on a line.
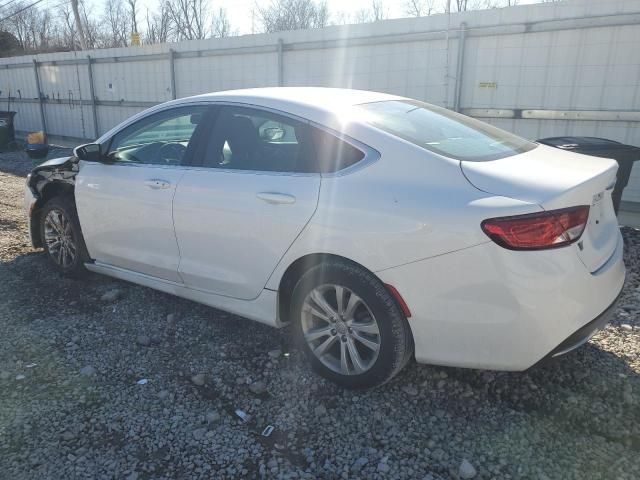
pixel 323 105
pixel 317 104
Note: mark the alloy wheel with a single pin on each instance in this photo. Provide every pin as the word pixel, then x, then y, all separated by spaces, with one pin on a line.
pixel 340 329
pixel 58 236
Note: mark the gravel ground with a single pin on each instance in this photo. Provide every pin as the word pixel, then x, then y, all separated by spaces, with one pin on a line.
pixel 75 355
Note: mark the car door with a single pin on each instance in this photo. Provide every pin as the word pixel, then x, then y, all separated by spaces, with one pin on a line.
pixel 238 212
pixel 125 201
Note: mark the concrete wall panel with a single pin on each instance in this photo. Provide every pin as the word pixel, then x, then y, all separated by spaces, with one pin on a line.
pixel 543 56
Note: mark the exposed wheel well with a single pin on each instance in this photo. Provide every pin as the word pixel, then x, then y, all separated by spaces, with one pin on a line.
pixel 301 265
pixel 51 190
pixel 293 274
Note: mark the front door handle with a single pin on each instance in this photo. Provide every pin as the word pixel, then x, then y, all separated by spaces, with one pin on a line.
pixel 157 184
pixel 276 198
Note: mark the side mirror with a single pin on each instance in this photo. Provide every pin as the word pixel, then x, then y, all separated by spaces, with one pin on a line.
pixel 90 152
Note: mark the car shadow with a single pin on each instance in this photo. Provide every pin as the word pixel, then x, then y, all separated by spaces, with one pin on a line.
pixel 426 412
pixel 586 401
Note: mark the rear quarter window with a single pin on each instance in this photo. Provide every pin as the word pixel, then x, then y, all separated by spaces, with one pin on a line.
pixel 332 153
pixel 442 131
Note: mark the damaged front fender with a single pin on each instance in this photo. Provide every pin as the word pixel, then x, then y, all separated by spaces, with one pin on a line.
pixel 49 179
pixel 62 170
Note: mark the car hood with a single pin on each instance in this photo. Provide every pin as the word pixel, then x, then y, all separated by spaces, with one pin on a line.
pixel 53 163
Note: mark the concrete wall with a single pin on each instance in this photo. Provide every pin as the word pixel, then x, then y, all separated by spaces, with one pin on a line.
pixel 565 68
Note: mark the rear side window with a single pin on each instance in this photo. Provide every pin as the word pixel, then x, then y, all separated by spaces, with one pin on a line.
pixel 252 139
pixel 442 131
pixel 333 154
pixel 246 138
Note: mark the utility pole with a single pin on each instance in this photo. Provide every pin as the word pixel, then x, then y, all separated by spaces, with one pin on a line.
pixel 76 16
pixel 446 70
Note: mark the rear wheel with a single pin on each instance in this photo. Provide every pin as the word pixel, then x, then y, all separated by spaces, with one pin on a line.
pixel 62 237
pixel 349 325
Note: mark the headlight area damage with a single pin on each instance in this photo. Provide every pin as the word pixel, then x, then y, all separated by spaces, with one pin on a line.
pixel 52 178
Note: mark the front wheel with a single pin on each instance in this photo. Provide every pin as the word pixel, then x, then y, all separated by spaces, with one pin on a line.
pixel 62 237
pixel 349 325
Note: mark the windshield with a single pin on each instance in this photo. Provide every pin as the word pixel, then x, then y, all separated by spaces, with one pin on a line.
pixel 443 131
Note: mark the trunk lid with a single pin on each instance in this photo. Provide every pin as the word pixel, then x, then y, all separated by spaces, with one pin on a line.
pixel 556 179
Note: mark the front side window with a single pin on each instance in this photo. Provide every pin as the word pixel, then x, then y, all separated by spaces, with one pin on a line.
pixel 162 138
pixel 442 131
pixel 251 139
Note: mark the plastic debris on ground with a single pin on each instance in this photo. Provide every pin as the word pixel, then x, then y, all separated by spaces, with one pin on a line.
pixel 244 416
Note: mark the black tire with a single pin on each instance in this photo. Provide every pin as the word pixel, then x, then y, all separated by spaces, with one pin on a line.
pixel 64 206
pixel 395 339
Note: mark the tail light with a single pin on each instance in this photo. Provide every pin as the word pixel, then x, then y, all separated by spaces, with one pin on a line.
pixel 538 231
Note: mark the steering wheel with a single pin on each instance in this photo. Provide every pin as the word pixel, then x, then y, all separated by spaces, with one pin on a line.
pixel 172 153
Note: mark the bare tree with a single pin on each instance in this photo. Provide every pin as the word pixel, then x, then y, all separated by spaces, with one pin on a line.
pixel 362 16
pixel 419 8
pixel 93 31
pixel 116 23
pixel 465 5
pixel 375 13
pixel 132 12
pixel 69 32
pixel 79 26
pixel 190 18
pixel 379 11
pixel 461 5
pixel 32 28
pixel 282 15
pixel 220 24
pixel 159 24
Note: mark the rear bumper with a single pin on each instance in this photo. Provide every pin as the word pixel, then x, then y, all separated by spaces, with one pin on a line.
pixel 491 308
pixel 583 334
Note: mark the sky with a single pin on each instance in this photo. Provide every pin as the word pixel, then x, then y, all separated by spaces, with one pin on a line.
pixel 239 11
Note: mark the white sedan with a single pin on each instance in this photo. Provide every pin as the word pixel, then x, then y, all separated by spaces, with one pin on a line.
pixel 380 228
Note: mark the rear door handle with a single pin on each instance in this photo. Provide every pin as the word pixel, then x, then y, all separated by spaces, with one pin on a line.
pixel 276 197
pixel 157 184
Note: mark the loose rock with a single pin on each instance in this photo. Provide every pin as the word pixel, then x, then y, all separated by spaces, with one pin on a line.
pixel 320 410
pixel 110 296
pixel 466 470
pixel 212 416
pixel 410 390
pixel 277 353
pixel 258 387
pixel 88 371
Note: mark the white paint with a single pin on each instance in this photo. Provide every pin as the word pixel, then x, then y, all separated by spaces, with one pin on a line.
pixel 411 217
pixel 125 222
pixel 230 239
